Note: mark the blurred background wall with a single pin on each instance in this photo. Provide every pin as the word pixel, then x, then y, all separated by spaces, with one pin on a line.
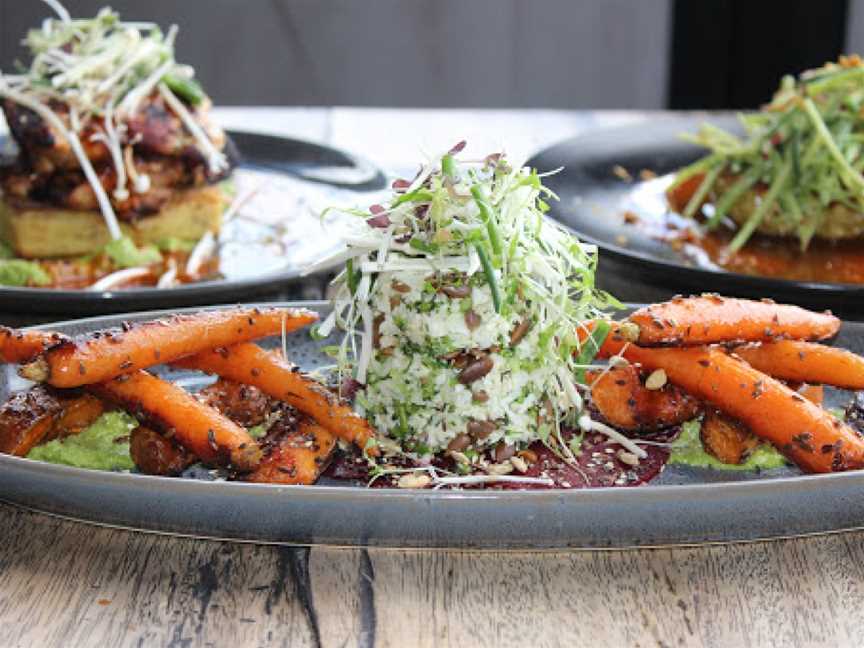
pixel 497 53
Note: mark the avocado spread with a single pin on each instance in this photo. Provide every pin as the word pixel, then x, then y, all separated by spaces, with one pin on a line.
pixel 174 244
pixel 124 254
pixel 687 449
pixel 18 272
pixel 102 446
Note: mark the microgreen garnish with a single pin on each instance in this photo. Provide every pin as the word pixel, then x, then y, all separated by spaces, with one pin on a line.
pixel 803 153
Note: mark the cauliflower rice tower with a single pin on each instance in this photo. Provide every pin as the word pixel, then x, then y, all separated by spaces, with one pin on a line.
pixel 462 305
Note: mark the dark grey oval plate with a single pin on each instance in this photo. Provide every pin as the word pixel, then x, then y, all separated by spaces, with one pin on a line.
pixel 683 506
pixel 594 199
pixel 320 168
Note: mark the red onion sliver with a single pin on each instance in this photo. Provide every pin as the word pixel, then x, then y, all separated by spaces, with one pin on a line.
pixel 382 221
pixel 458 148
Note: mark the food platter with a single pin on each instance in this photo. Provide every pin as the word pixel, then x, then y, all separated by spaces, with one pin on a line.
pixel 297 178
pixel 682 506
pixel 602 185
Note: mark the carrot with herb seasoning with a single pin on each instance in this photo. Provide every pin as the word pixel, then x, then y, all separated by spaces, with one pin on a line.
pixel 625 402
pixel 33 417
pixel 806 362
pixel 804 432
pixel 726 439
pixel 813 393
pixel 250 364
pixel 297 456
pixel 710 319
pixel 102 356
pixel 155 454
pixel 199 428
pixel 24 346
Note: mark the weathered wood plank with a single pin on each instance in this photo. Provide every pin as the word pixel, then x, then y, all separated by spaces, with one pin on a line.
pixel 788 593
pixel 63 583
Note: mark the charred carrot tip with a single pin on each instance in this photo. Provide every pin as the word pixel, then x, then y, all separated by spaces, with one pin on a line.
pixel 99 358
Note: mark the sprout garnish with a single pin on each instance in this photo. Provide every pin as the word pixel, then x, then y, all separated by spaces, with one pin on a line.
pixel 802 153
pixel 462 305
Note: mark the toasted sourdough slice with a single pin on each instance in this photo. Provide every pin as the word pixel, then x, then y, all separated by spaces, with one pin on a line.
pixel 838 221
pixel 36 232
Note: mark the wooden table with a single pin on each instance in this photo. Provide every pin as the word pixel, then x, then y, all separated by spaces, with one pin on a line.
pixel 69 584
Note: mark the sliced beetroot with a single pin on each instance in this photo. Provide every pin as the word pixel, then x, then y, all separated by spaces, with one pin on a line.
pixel 599 464
pixel 376 209
pixel 348 465
pixel 400 184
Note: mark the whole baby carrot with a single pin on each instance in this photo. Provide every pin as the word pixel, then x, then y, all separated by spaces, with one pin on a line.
pixel 102 356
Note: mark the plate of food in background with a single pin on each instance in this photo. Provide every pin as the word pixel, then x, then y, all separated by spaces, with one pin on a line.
pixel 765 203
pixel 119 191
pixel 468 385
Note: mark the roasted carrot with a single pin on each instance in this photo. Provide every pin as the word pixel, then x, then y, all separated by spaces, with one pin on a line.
pixel 39 415
pixel 200 429
pixel 297 456
pixel 814 393
pixel 243 404
pixel 804 432
pixel 710 319
pixel 725 438
pixel 252 365
pixel 806 362
pixel 25 420
pixel 156 454
pixel 24 346
pixel 103 356
pixel 679 195
pixel 625 402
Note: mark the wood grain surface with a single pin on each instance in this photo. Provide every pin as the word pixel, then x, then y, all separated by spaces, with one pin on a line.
pixel 70 584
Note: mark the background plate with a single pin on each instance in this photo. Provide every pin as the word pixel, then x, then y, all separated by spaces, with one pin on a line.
pixel 683 506
pixel 636 266
pixel 290 177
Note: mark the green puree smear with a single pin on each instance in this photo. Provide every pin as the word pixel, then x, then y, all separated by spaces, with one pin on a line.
pixel 687 449
pixel 124 254
pixel 18 272
pixel 102 446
